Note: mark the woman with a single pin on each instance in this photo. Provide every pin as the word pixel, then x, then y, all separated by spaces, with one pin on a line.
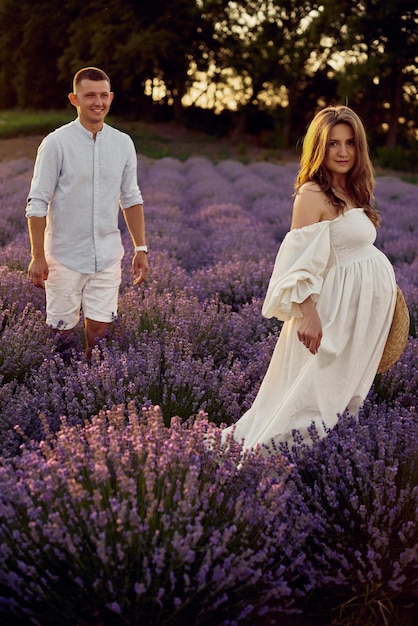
pixel 331 286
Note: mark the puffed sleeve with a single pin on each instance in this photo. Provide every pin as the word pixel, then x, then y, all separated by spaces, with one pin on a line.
pixel 298 271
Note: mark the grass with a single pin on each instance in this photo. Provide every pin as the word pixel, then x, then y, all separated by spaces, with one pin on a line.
pixel 169 139
pixel 409 178
pixel 23 123
pixel 154 141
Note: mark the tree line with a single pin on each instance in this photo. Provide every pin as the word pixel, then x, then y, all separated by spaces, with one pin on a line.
pixel 259 64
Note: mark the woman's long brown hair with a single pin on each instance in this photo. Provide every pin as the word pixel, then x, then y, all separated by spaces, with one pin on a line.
pixel 360 179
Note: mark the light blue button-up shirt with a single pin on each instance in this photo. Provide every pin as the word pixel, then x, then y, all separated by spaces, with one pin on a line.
pixel 80 183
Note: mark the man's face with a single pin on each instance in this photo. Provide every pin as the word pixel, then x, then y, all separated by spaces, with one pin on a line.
pixel 92 99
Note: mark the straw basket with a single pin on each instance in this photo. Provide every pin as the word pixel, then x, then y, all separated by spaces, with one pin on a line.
pixel 398 334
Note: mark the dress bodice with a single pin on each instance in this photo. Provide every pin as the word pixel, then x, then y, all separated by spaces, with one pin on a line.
pixel 352 236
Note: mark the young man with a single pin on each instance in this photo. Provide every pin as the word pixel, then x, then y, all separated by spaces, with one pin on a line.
pixel 84 173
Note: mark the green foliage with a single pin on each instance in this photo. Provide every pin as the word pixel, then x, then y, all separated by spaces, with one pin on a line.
pixel 32 39
pixel 398 158
pixel 379 77
pixel 285 54
pixel 15 123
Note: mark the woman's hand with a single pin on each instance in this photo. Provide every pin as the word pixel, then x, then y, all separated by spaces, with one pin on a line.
pixel 310 327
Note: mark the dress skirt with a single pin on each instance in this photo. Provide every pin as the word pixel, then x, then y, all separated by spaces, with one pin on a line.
pixel 354 288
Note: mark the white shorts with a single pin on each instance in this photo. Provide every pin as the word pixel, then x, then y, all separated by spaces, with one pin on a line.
pixel 68 291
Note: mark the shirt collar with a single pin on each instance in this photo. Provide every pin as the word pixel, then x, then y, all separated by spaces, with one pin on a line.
pixel 86 132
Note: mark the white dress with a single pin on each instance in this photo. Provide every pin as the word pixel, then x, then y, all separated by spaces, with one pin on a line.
pixel 354 287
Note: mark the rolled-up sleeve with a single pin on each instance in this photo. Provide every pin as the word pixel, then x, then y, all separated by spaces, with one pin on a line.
pixel 130 193
pixel 45 177
pixel 298 271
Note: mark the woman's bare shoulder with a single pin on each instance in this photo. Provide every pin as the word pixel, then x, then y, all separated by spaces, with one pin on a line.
pixel 309 204
pixel 309 187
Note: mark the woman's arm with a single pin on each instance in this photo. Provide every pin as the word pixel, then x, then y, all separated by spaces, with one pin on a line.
pixel 310 327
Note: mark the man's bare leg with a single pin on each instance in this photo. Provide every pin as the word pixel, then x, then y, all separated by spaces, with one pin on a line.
pixel 65 342
pixel 94 331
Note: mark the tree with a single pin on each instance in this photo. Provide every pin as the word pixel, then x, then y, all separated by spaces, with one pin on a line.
pixel 379 42
pixel 272 44
pixel 28 53
pixel 43 43
pixel 284 57
pixel 138 42
pixel 10 37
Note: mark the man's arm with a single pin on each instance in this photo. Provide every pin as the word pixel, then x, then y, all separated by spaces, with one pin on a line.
pixel 38 268
pixel 135 221
pixel 44 181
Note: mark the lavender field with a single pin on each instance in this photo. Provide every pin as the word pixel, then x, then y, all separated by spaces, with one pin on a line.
pixel 113 508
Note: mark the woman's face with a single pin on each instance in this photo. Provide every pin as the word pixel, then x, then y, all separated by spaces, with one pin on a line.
pixel 341 150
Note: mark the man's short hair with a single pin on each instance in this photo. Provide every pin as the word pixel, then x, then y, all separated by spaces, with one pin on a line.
pixel 90 73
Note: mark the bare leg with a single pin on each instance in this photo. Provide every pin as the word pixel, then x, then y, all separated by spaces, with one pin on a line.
pixel 94 330
pixel 65 342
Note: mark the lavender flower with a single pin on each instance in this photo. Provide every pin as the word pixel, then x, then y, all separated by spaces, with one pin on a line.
pixel 130 508
pixel 128 516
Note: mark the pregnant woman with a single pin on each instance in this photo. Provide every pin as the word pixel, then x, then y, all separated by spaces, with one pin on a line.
pixel 332 287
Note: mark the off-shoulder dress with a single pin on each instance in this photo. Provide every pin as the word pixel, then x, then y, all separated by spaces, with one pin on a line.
pixel 353 284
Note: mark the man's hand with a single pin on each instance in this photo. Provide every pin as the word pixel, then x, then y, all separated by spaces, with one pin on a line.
pixel 38 271
pixel 139 267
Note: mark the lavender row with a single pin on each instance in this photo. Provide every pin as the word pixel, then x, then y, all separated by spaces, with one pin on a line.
pixel 126 520
pixel 213 232
pixel 139 523
pixel 194 340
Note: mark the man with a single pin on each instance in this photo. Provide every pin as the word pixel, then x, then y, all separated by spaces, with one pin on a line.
pixel 85 171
